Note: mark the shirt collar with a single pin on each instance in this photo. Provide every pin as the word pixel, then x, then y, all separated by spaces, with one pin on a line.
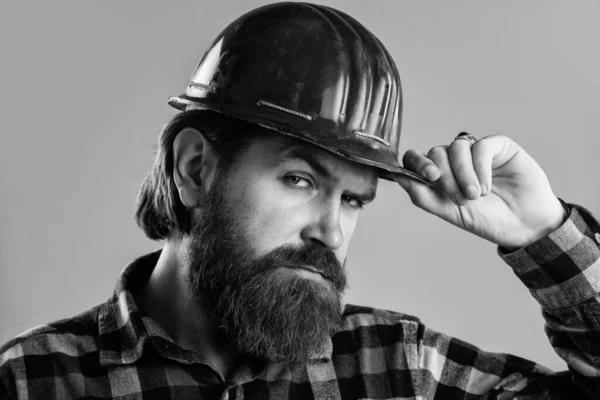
pixel 122 332
pixel 125 331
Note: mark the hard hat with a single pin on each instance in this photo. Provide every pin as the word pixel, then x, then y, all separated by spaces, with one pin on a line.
pixel 307 71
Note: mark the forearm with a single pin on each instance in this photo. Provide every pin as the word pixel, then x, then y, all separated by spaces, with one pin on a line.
pixel 562 272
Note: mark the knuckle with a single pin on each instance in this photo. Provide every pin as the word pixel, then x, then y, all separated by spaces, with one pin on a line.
pixel 437 151
pixel 454 145
pixel 483 144
pixel 458 152
pixel 458 143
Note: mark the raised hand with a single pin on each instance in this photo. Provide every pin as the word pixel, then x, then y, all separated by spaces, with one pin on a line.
pixel 492 188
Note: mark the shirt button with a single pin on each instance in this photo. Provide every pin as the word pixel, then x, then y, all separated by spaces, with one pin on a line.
pixel 597 237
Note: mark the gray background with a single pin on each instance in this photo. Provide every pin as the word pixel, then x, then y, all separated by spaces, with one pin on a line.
pixel 83 87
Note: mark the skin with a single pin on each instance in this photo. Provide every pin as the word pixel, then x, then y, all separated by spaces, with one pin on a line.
pixel 281 193
pixel 285 192
pixel 512 203
pixel 289 192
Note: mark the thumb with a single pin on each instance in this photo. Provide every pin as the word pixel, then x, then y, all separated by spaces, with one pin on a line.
pixel 403 181
pixel 421 195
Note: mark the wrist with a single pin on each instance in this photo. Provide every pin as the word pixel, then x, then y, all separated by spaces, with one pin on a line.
pixel 547 229
pixel 566 208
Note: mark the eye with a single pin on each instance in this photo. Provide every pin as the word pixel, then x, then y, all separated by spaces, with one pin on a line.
pixel 298 181
pixel 352 202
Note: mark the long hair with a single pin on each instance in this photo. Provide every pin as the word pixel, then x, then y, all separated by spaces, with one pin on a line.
pixel 159 209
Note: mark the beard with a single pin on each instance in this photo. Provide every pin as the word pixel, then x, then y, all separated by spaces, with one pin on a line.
pixel 260 311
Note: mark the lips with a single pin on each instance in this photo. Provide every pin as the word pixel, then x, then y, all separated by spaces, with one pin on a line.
pixel 308 268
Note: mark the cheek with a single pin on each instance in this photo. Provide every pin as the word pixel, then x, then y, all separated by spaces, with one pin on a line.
pixel 347 225
pixel 269 214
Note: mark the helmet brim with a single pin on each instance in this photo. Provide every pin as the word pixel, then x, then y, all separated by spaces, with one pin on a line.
pixel 386 171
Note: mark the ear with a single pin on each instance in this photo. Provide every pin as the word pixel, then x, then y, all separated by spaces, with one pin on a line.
pixel 194 165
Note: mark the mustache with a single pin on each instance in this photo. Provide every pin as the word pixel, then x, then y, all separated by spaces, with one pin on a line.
pixel 320 258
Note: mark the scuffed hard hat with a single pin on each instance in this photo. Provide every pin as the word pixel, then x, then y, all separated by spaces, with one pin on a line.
pixel 308 71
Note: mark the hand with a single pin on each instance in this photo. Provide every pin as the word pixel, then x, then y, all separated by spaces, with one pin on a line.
pixel 493 189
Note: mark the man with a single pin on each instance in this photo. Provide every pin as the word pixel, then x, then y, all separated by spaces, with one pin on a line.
pixel 286 125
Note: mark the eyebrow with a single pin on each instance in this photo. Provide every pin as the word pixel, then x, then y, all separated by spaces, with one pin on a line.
pixel 303 154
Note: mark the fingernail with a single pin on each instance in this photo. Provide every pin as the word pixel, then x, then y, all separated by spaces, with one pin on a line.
pixel 484 190
pixel 430 173
pixel 472 191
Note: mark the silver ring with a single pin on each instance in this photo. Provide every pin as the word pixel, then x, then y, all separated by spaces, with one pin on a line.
pixel 468 137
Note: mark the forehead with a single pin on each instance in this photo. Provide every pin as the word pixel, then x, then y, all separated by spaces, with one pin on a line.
pixel 274 150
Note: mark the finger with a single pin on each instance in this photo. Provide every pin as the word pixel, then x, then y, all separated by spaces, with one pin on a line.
pixel 490 153
pixel 418 162
pixel 483 154
pixel 461 161
pixel 503 149
pixel 447 182
pixel 423 196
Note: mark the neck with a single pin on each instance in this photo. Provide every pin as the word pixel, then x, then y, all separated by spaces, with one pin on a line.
pixel 167 299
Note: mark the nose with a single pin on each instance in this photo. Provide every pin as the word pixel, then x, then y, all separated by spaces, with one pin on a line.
pixel 325 227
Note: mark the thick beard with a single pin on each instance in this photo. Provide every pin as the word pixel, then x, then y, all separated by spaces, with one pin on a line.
pixel 278 317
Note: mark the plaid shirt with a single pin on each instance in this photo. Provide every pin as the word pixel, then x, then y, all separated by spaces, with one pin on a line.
pixel 115 351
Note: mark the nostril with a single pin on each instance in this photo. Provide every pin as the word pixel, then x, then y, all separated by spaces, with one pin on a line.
pixel 317 243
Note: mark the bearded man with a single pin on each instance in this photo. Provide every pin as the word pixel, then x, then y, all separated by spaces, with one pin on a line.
pixel 287 124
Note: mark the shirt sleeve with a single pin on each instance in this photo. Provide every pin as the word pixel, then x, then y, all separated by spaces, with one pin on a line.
pixel 562 272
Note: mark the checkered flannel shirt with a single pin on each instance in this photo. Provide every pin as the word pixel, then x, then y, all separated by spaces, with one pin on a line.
pixel 115 351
